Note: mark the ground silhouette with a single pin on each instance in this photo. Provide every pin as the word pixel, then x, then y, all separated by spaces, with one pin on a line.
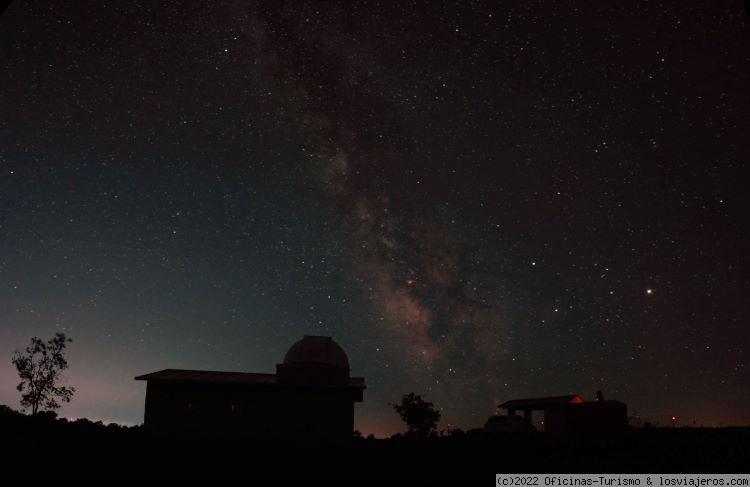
pixel 463 456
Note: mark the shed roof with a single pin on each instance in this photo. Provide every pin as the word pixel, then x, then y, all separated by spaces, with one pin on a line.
pixel 216 377
pixel 542 402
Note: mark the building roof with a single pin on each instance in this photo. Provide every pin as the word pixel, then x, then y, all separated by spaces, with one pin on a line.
pixel 542 402
pixel 216 377
pixel 317 350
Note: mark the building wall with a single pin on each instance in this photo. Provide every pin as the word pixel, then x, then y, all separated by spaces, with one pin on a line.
pixel 264 412
pixel 588 417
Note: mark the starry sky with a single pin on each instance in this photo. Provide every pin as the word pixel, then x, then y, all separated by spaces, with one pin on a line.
pixel 478 200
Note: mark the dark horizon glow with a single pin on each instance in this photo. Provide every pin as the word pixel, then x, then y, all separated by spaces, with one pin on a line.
pixel 479 202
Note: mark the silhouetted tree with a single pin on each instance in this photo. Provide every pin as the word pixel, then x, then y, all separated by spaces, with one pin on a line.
pixel 40 368
pixel 419 415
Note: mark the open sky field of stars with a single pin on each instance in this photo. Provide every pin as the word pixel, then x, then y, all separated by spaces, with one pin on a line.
pixel 480 201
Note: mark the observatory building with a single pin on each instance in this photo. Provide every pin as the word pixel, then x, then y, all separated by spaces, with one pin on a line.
pixel 310 398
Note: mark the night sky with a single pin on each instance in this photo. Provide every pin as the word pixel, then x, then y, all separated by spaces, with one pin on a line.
pixel 480 201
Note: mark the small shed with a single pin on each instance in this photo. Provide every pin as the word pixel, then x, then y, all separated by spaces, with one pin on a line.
pixel 571 414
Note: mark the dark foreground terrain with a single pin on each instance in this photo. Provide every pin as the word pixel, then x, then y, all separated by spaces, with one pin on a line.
pixel 471 456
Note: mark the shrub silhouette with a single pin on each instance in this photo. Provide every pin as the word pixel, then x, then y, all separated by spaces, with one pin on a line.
pixel 419 415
